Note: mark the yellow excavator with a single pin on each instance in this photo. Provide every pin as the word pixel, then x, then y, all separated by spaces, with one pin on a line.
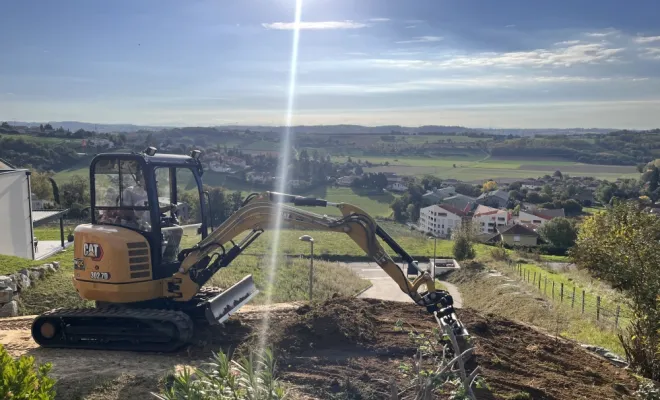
pixel 149 289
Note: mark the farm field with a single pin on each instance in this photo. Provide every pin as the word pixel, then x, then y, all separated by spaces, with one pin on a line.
pixel 478 170
pixel 42 139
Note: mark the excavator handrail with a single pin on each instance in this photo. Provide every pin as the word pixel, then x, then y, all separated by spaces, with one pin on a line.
pixel 257 214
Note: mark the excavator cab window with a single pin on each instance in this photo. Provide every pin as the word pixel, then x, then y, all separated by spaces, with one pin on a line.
pixel 121 194
pixel 179 222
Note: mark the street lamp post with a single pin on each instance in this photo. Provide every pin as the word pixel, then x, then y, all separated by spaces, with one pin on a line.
pixel 307 238
pixel 435 246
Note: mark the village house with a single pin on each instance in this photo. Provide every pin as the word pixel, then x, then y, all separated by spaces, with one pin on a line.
pixel 440 220
pixel 488 219
pixel 346 180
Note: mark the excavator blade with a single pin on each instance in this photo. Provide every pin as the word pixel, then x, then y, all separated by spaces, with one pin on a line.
pixel 222 306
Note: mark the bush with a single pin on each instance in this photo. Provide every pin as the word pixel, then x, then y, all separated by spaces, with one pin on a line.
pixel 463 249
pixel 499 254
pixel 22 380
pixel 250 378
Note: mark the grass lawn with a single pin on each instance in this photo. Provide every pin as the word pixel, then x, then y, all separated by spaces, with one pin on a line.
pixel 11 264
pixel 291 283
pixel 64 176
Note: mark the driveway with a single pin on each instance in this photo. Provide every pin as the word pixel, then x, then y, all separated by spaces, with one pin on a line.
pixel 384 288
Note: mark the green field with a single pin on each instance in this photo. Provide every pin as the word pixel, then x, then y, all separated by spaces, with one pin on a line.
pixel 43 139
pixel 477 169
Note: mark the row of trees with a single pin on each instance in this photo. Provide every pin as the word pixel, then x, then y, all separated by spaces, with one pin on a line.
pixel 35 155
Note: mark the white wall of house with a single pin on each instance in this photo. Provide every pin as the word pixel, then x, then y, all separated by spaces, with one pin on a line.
pixel 397 187
pixel 488 222
pixel 527 218
pixel 438 221
pixel 15 214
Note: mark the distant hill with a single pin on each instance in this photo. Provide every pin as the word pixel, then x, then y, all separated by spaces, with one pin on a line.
pixel 327 129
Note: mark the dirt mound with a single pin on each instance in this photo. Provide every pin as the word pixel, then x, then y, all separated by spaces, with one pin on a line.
pixel 345 348
pixel 517 359
pixel 338 322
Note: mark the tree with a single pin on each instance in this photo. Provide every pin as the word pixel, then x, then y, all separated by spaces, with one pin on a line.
pixel 410 211
pixel 463 242
pixel 41 127
pixel 515 186
pixel 75 191
pixel 359 170
pixel 49 127
pixel 557 174
pixel 399 209
pixel 489 186
pixel 605 191
pixel 547 190
pixel 41 186
pixel 559 232
pixel 621 246
pixel 468 190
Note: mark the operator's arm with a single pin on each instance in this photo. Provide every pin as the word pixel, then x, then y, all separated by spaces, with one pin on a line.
pixel 262 210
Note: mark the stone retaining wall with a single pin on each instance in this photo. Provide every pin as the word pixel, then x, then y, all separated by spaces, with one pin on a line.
pixel 12 285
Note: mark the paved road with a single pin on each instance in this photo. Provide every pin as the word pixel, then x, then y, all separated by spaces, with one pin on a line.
pixel 384 288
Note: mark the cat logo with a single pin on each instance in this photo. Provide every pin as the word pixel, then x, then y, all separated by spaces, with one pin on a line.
pixel 93 250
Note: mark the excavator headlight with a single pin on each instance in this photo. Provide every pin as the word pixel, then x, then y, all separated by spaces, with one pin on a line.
pixel 150 151
pixel 195 154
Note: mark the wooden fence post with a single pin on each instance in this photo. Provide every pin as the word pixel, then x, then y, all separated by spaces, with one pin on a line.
pixel 553 290
pixel 582 301
pixel 598 308
pixel 561 292
pixel 616 319
pixel 539 282
pixel 545 287
pixel 534 281
pixel 573 298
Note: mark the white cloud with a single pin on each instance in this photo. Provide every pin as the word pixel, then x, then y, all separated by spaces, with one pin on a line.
pixel 558 57
pixel 646 39
pixel 422 39
pixel 414 21
pixel 567 43
pixel 411 26
pixel 348 24
pixel 652 53
pixel 602 34
pixel 379 19
pixel 496 81
pixel 510 26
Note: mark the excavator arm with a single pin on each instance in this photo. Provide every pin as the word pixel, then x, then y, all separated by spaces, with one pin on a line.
pixel 260 211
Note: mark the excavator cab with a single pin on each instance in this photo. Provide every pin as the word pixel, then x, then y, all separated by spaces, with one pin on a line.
pixel 158 196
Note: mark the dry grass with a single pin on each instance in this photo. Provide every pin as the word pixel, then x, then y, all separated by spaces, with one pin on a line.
pixel 514 300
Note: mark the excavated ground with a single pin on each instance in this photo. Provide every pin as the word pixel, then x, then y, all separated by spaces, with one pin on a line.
pixel 344 348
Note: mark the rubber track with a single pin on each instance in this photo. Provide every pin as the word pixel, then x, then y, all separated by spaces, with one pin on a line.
pixel 123 317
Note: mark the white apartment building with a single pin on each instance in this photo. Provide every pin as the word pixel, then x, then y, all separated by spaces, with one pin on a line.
pixel 488 219
pixel 440 220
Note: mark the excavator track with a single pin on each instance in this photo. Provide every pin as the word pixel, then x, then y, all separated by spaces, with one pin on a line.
pixel 113 328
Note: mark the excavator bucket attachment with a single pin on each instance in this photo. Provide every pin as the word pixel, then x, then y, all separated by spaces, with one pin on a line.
pixel 222 306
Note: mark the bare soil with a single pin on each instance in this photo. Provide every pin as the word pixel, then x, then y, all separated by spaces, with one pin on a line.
pixel 342 348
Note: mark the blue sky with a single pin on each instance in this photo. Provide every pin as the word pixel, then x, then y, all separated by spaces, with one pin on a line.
pixel 504 63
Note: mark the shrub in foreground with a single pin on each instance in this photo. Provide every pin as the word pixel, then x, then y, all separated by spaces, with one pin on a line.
pixel 21 379
pixel 251 378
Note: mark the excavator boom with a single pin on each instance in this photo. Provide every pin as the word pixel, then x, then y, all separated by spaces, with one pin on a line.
pixel 260 211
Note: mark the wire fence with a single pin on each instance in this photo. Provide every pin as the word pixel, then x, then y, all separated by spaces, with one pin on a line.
pixel 569 295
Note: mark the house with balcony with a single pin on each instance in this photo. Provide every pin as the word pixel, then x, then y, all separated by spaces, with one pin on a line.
pixel 440 219
pixel 488 219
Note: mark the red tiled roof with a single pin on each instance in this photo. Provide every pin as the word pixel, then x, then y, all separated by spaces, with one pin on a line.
pixel 452 209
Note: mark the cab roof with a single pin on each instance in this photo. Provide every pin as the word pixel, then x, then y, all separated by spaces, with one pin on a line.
pixel 158 158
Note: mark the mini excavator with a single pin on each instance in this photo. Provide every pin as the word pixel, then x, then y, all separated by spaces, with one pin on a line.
pixel 149 290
